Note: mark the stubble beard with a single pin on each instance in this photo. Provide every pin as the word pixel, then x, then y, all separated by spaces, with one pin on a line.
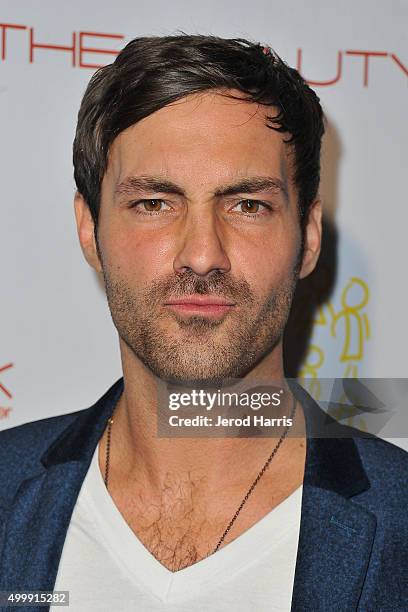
pixel 198 350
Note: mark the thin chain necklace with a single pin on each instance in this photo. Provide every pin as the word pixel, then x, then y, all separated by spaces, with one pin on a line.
pixel 248 493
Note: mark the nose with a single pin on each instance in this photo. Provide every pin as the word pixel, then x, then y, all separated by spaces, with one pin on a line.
pixel 201 249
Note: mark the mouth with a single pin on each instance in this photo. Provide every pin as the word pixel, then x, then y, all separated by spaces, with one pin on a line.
pixel 205 305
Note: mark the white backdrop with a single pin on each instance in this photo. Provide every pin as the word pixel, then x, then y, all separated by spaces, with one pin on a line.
pixel 55 326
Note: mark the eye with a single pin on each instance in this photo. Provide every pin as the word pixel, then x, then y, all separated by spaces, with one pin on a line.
pixel 252 207
pixel 150 207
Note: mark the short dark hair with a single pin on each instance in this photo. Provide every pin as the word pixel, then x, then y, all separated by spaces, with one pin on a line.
pixel 152 72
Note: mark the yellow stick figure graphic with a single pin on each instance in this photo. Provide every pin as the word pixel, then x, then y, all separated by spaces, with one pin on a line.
pixel 309 372
pixel 354 298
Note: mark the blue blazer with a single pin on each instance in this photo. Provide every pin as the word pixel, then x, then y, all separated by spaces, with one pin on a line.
pixel 353 542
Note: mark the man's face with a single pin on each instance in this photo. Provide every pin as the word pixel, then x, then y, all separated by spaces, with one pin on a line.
pixel 198 204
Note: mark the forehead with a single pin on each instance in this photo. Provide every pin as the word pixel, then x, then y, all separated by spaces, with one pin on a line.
pixel 205 139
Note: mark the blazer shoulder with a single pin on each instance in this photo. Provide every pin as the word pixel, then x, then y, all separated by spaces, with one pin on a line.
pixel 386 465
pixel 22 447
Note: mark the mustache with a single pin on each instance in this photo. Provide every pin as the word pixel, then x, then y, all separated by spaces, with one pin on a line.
pixel 216 283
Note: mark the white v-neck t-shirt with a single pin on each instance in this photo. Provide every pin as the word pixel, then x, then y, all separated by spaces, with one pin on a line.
pixel 105 567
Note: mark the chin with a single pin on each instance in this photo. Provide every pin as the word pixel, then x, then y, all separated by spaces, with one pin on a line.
pixel 198 382
pixel 194 376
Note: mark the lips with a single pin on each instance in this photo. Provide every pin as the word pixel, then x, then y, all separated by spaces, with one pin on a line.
pixel 211 305
pixel 200 300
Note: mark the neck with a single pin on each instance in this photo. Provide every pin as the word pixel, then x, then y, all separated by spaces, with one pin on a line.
pixel 137 453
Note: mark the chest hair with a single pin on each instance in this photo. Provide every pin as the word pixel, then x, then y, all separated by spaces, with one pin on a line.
pixel 171 525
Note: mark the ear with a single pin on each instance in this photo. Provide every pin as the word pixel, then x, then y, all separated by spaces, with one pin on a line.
pixel 86 233
pixel 313 239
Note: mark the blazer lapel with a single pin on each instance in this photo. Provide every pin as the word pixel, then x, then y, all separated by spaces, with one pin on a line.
pixel 36 528
pixel 335 543
pixel 336 534
pixel 38 520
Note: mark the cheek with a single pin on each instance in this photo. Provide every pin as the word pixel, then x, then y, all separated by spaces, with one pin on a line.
pixel 133 254
pixel 269 263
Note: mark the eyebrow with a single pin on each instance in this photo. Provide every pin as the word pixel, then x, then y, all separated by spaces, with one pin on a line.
pixel 254 184
pixel 152 184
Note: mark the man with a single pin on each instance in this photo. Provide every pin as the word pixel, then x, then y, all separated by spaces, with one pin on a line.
pixel 197 166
